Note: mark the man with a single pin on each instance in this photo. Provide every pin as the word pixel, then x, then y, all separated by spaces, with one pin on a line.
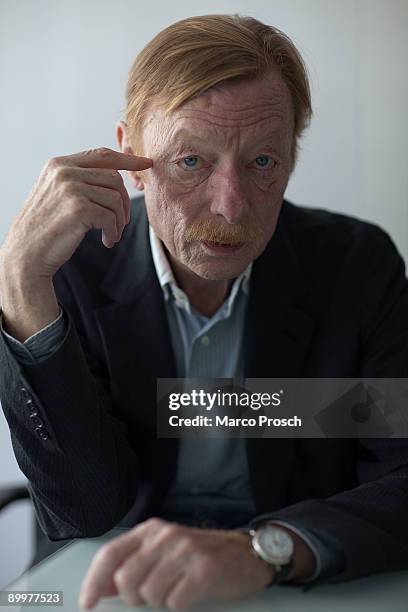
pixel 213 275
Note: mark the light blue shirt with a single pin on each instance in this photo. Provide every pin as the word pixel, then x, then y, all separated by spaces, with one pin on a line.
pixel 211 472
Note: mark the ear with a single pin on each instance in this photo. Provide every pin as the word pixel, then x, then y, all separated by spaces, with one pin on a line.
pixel 124 145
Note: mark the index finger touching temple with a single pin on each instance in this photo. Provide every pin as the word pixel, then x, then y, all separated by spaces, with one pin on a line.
pixel 108 158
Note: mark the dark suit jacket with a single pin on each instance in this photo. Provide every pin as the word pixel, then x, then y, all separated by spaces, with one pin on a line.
pixel 328 298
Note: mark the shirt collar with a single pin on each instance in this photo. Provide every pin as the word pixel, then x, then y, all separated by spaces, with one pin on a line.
pixel 168 282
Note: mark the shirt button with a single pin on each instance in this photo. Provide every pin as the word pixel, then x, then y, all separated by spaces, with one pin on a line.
pixel 205 341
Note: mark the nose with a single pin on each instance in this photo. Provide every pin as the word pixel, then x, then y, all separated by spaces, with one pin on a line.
pixel 229 196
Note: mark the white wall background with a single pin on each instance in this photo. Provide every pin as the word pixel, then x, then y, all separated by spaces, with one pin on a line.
pixel 63 68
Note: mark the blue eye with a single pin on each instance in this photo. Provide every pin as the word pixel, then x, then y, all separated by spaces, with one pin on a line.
pixel 191 162
pixel 262 161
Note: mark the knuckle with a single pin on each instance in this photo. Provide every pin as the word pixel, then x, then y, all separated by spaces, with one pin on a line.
pixel 104 554
pixel 188 543
pixel 61 173
pixel 103 151
pixel 99 152
pixel 53 163
pixel 113 551
pixel 122 578
pixel 76 205
pixel 155 522
pixel 169 530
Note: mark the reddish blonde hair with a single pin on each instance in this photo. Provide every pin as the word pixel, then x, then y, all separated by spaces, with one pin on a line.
pixel 192 55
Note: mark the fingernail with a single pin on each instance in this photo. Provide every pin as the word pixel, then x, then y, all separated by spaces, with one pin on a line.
pixel 83 602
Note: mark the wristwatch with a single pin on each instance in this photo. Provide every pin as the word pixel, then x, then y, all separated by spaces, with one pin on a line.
pixel 275 546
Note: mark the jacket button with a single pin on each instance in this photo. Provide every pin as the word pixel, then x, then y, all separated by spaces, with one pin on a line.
pixel 43 433
pixel 30 404
pixel 24 392
pixel 36 421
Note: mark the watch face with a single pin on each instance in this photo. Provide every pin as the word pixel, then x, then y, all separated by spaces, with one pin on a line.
pixel 275 543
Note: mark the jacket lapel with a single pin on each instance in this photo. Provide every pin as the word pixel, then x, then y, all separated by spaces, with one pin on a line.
pixel 277 335
pixel 137 344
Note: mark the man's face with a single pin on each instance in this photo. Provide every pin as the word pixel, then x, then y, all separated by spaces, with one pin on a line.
pixel 221 164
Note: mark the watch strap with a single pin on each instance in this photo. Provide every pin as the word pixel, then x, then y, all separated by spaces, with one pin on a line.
pixel 281 572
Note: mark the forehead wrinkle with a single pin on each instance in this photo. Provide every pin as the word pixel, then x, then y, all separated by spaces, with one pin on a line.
pixel 233 108
pixel 273 108
pixel 182 132
pixel 231 122
pixel 233 125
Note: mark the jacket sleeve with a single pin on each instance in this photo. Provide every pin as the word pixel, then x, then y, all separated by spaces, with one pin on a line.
pixel 83 474
pixel 40 345
pixel 369 523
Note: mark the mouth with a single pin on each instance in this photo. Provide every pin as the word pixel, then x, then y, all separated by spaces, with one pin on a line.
pixel 220 247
